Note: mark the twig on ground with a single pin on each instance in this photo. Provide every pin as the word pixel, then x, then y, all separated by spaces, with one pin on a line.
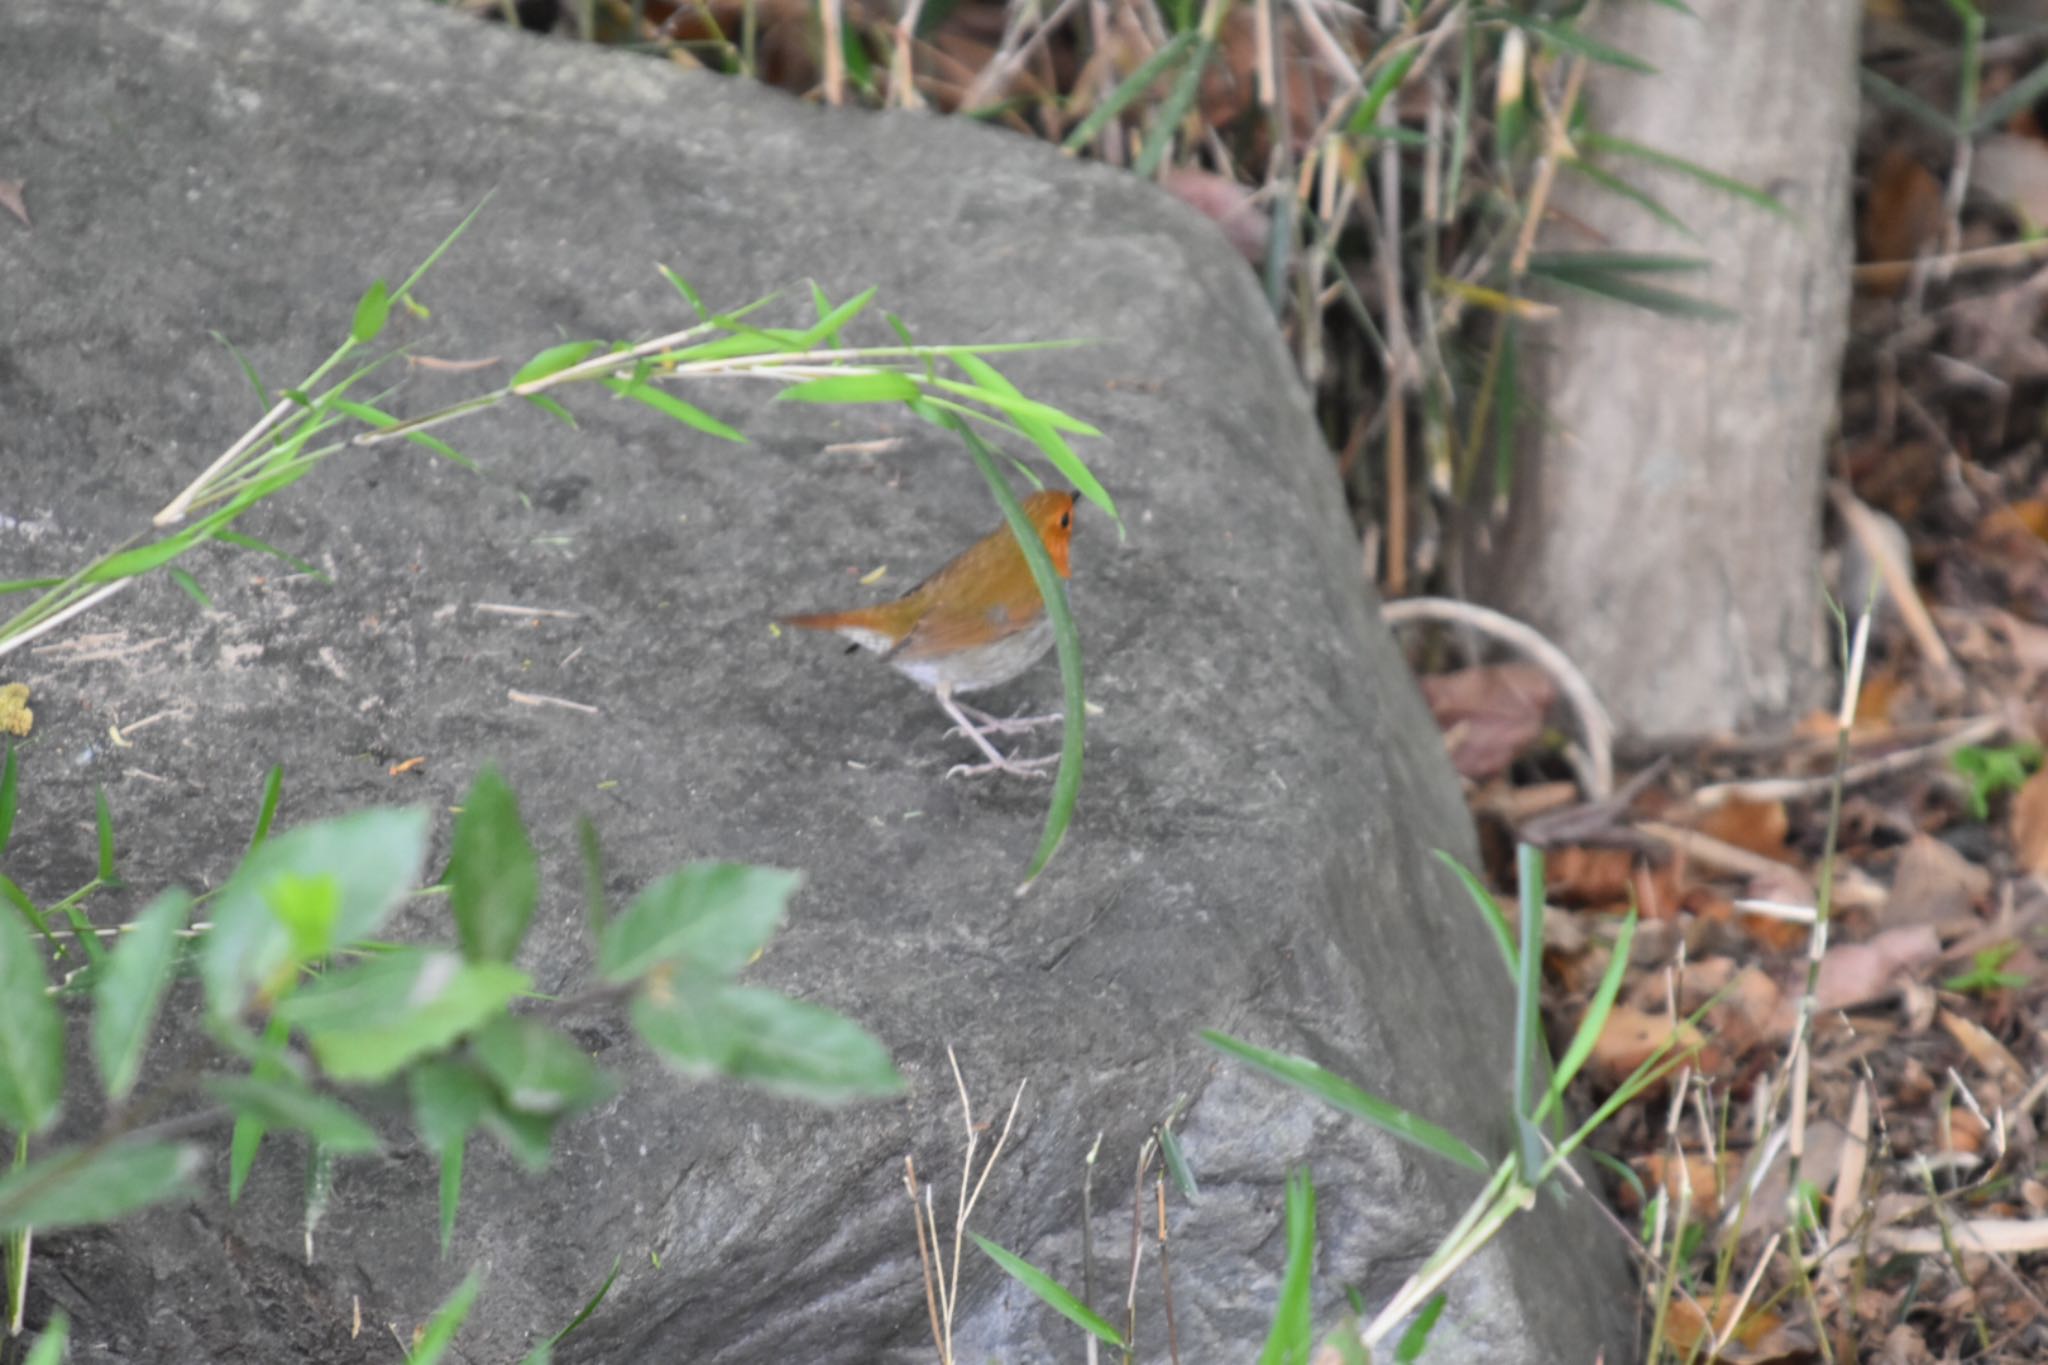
pixel 1975 731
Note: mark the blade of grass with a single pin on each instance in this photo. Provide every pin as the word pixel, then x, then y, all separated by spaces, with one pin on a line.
pixel 1339 1093
pixel 1133 85
pixel 1066 786
pixel 1594 141
pixel 1050 1292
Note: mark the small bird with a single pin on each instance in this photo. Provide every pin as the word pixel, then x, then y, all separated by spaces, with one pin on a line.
pixel 976 623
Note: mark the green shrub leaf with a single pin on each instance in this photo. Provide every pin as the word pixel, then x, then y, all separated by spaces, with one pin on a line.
pixel 129 989
pixel 765 1039
pixel 718 916
pixel 75 1186
pixel 366 1022
pixel 287 1104
pixel 31 1034
pixel 301 894
pixel 493 880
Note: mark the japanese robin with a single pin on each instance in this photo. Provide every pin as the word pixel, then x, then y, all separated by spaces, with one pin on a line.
pixel 976 623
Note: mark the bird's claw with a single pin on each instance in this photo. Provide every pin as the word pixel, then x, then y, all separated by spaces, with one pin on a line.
pixel 1015 767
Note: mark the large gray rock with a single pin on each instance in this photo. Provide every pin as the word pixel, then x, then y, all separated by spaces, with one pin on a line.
pixel 1263 792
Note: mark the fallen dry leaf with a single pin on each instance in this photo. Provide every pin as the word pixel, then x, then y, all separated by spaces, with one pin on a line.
pixel 1963 1132
pixel 1933 883
pixel 1225 202
pixel 2030 824
pixel 1855 974
pixel 11 199
pixel 1986 1051
pixel 1758 826
pixel 1903 211
pixel 1631 1036
pixel 2014 171
pixel 1693 1172
pixel 1489 714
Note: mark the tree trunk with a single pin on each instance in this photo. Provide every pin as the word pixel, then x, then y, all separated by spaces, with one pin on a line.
pixel 1664 521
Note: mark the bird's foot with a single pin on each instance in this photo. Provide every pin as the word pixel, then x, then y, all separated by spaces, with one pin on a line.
pixel 988 724
pixel 1015 767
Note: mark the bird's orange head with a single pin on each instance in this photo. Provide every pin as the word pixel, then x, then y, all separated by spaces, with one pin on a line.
pixel 1051 511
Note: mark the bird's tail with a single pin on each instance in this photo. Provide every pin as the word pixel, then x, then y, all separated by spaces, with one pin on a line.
pixel 868 627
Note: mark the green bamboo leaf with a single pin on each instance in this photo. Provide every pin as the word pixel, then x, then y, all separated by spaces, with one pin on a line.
pixel 103 820
pixel 266 809
pixel 884 386
pixel 1334 1090
pixel 19 899
pixel 552 409
pixel 1566 38
pixel 1908 103
pixel 1016 405
pixel 1588 1033
pixel 554 360
pixel 582 1315
pixel 1615 185
pixel 442 1327
pixel 1129 89
pixel 1383 85
pixel 1528 1008
pixel 31 1035
pixel 1650 298
pixel 49 1347
pixel 1416 1339
pixel 1556 263
pixel 689 293
pixel 1177 1164
pixel 372 310
pixel 249 542
pixel 190 586
pixel 1496 919
pixel 1042 433
pixel 127 994
pixel 1161 134
pixel 1053 1294
pixel 825 332
pixel 248 371
pixel 668 405
pixel 1292 1337
pixel 2021 94
pixel 247 1138
pixel 1603 142
pixel 80 1186
pixel 1066 786
pixel 449 1099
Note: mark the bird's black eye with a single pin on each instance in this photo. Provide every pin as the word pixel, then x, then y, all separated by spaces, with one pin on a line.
pixel 1066 520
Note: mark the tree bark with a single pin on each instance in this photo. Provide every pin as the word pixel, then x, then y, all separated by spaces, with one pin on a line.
pixel 1664 519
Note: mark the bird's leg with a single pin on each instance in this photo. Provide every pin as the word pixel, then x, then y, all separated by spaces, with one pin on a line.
pixel 997 763
pixel 1013 725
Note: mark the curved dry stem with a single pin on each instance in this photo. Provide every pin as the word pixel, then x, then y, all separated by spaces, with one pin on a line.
pixel 1595 726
